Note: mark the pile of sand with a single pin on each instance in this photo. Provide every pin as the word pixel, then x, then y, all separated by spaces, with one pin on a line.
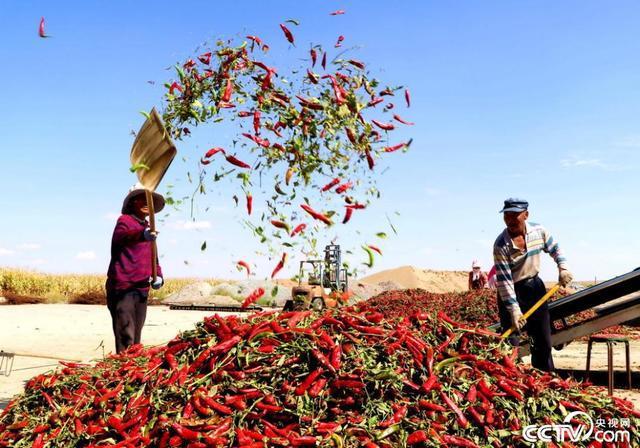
pixel 411 277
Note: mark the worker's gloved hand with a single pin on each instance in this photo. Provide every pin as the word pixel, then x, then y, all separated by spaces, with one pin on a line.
pixel 516 317
pixel 148 235
pixel 157 284
pixel 565 277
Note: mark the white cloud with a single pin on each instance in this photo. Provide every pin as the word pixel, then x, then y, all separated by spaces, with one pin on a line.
pixel 86 255
pixel 4 251
pixel 192 225
pixel 38 261
pixel 29 246
pixel 576 162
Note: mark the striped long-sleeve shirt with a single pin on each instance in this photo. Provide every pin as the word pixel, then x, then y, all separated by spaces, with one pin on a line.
pixel 513 264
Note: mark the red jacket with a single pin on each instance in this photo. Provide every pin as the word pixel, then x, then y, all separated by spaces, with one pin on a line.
pixel 130 265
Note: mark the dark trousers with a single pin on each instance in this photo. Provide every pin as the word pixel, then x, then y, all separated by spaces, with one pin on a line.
pixel 538 325
pixel 128 312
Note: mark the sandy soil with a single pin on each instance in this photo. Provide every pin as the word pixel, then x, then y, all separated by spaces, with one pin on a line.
pixel 412 277
pixel 40 335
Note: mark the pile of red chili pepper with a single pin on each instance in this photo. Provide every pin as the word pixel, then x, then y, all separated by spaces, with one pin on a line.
pixel 477 307
pixel 304 140
pixel 345 378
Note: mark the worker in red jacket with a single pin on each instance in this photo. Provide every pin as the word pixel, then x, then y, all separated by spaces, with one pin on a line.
pixel 477 278
pixel 129 274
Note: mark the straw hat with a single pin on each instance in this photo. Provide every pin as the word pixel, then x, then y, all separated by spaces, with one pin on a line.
pixel 137 190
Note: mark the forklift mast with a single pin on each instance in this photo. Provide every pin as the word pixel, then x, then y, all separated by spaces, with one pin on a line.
pixel 334 277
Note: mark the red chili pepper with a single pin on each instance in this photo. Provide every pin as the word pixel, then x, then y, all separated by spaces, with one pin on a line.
pixel 314 56
pixel 324 60
pixel 260 141
pixel 256 40
pixel 331 184
pixel 253 297
pixel 462 420
pixel 228 90
pixel 384 126
pixel 344 187
pixel 316 215
pixel 407 97
pixel 458 441
pixel 245 265
pixel 323 360
pixel 347 215
pixel 256 121
pixel 417 437
pixel 244 114
pixel 299 228
pixel 394 147
pixel 237 162
pixel 287 33
pixel 302 388
pixel 312 77
pixel 339 42
pixel 205 58
pixel 175 86
pixel 377 249
pixel 356 63
pixel 209 154
pixel 185 433
pixel 399 118
pixel 374 102
pixel 41 29
pixel 337 12
pixel 280 225
pixel 280 265
pixel 249 199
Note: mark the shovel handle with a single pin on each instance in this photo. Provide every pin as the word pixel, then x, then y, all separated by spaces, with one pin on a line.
pixel 152 227
pixel 532 310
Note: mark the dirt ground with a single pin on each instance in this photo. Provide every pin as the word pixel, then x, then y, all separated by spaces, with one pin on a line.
pixel 40 335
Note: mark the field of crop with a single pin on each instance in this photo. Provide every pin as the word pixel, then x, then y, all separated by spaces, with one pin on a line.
pixel 25 286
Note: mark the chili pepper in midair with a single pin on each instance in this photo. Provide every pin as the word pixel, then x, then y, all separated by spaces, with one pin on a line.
pixel 337 12
pixel 228 90
pixel 369 252
pixel 299 228
pixel 205 58
pixel 347 214
pixel 314 56
pixel 324 60
pixel 344 187
pixel 394 147
pixel 175 86
pixel 252 298
pixel 249 199
pixel 41 32
pixel 256 121
pixel 331 184
pixel 398 118
pixel 237 162
pixel 339 42
pixel 316 215
pixel 287 33
pixel 407 97
pixel 280 265
pixel 384 126
pixel 280 225
pixel 375 248
pixel 245 265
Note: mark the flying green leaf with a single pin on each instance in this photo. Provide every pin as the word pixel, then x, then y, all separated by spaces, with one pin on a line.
pixel 138 166
pixel 381 235
pixel 204 246
pixel 293 21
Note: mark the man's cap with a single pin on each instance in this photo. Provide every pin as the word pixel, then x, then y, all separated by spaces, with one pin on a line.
pixel 514 205
pixel 475 265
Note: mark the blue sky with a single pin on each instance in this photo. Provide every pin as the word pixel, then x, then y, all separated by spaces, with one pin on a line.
pixel 533 99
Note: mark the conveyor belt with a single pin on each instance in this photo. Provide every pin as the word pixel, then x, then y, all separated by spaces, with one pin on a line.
pixel 595 296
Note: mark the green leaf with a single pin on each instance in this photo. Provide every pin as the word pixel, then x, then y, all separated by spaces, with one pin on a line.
pixel 274 291
pixel 146 114
pixel 381 235
pixel 138 166
pixel 204 246
pixel 293 21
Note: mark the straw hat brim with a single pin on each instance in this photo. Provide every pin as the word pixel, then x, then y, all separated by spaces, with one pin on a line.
pixel 158 200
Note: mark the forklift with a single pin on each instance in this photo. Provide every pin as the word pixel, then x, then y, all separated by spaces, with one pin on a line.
pixel 325 282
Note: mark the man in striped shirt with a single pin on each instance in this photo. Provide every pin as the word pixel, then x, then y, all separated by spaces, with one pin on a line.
pixel 516 255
